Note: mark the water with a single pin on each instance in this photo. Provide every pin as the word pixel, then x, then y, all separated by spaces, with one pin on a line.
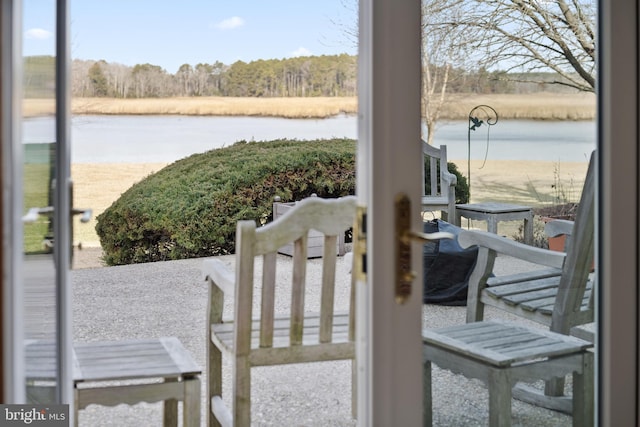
pixel 141 139
pixel 558 141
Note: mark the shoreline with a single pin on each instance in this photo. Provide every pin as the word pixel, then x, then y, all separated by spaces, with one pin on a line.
pixel 98 185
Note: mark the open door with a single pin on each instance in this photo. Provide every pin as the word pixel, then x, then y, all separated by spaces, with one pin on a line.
pixel 36 214
pixel 389 166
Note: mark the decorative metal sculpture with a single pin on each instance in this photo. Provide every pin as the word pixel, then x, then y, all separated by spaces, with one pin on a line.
pixel 476 116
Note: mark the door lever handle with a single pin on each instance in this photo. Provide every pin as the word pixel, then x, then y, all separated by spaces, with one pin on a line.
pixel 33 213
pixel 404 235
pixel 409 235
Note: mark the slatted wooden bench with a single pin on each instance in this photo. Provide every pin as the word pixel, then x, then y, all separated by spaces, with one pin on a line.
pixel 116 372
pixel 501 354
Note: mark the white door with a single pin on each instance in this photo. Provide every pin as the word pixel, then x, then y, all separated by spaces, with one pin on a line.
pixel 389 163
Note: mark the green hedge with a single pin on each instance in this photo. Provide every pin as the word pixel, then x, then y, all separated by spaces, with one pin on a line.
pixel 190 208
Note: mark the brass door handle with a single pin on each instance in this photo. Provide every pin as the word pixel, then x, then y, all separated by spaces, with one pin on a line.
pixel 404 235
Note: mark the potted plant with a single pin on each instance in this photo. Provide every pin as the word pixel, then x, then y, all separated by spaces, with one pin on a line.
pixel 565 211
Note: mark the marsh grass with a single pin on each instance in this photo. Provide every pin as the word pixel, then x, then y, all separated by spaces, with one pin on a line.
pixel 316 107
pixel 538 106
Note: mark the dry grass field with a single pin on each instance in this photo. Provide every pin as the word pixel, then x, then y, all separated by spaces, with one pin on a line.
pixel 539 106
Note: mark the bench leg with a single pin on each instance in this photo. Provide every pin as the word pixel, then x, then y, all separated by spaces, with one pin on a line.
pixel 191 402
pixel 499 398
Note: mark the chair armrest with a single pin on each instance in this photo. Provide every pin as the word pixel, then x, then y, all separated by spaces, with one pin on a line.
pixel 449 178
pixel 217 272
pixel 557 227
pixel 502 245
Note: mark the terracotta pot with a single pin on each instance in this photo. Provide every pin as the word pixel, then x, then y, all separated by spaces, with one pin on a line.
pixel 557 243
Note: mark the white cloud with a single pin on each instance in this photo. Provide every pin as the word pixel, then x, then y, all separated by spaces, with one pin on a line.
pixel 301 51
pixel 38 34
pixel 230 23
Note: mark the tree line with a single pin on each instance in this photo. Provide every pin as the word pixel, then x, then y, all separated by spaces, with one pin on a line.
pixel 326 75
pixel 294 77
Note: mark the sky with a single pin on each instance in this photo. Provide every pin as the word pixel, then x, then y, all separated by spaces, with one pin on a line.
pixel 173 33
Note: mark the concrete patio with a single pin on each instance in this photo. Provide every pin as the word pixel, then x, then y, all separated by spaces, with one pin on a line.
pixel 169 299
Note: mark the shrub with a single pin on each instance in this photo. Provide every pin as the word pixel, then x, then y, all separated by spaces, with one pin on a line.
pixel 462 187
pixel 190 208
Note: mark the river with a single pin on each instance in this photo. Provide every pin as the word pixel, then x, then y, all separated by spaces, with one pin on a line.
pixel 142 139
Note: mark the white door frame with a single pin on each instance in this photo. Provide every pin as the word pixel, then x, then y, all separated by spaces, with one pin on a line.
pixel 13 358
pixel 62 203
pixel 618 219
pixel 389 162
pixel 11 170
pixel 386 68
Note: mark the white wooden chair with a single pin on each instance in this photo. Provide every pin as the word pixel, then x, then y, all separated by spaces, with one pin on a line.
pixel 256 336
pixel 559 294
pixel 439 186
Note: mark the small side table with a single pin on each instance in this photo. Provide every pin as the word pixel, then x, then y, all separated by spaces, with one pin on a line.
pixel 110 373
pixel 493 213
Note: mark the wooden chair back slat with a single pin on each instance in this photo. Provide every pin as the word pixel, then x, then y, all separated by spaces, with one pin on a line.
pixel 352 309
pixel 298 289
pixel 267 307
pixel 328 288
pixel 433 172
pixel 245 233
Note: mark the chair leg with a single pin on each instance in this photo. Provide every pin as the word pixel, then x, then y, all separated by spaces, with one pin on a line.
pixel 583 393
pixel 499 398
pixel 241 391
pixel 427 405
pixel 214 380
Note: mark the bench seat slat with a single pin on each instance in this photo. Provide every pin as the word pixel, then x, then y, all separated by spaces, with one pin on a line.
pixel 525 276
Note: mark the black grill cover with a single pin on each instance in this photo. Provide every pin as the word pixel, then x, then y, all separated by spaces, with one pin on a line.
pixel 446 267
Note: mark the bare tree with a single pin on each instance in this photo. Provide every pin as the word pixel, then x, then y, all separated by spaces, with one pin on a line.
pixel 443 47
pixel 534 36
